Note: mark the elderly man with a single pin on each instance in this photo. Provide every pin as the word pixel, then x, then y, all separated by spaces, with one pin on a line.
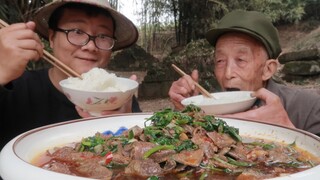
pixel 246 51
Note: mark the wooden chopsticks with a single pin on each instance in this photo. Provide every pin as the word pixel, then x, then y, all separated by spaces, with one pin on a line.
pixel 52 60
pixel 203 91
pixel 54 63
pixel 60 65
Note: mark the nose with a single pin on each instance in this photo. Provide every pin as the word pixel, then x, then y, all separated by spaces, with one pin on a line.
pixel 229 70
pixel 91 46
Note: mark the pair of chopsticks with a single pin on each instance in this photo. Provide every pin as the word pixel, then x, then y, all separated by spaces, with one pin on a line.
pixel 203 91
pixel 60 65
pixel 52 60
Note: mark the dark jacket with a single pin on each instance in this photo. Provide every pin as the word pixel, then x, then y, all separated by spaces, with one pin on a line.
pixel 302 106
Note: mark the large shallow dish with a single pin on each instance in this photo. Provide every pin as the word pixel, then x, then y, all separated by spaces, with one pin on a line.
pixel 223 102
pixel 16 156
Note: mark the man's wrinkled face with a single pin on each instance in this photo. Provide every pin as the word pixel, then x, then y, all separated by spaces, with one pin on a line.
pixel 239 62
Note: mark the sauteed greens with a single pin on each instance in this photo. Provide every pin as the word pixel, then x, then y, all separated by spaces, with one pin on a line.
pixel 178 145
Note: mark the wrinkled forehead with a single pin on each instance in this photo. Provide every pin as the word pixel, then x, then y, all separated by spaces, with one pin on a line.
pixel 239 36
pixel 244 42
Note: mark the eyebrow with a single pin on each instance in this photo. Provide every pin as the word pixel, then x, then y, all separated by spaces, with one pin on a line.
pixel 83 22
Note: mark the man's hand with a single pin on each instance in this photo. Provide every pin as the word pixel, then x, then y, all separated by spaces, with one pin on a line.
pixel 126 108
pixel 271 112
pixel 18 45
pixel 182 88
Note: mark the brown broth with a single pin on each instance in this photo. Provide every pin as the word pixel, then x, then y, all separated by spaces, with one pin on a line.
pixel 194 173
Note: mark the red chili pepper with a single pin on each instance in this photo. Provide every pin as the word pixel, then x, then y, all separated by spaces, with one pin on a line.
pixel 207 139
pixel 109 157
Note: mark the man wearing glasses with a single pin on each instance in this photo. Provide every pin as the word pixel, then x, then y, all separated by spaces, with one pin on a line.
pixel 82 34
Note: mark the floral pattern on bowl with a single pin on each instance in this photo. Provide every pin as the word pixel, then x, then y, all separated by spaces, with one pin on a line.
pixel 97 100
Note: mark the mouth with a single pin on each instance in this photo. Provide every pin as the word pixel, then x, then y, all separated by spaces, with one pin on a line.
pixel 232 89
pixel 87 59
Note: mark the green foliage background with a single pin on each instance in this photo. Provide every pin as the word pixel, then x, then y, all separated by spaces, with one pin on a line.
pixel 189 19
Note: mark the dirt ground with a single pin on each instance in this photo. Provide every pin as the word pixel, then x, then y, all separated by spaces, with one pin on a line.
pixel 154 105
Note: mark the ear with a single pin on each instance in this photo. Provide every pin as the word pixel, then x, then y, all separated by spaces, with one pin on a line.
pixel 270 69
pixel 50 37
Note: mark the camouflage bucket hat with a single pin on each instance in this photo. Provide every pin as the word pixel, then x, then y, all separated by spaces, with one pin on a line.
pixel 126 32
pixel 252 23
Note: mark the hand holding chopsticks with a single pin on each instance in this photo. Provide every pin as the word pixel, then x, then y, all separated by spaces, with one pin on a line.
pixel 200 88
pixel 52 60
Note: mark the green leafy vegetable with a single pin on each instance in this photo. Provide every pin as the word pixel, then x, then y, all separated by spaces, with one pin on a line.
pixel 186 145
pixel 191 108
pixel 89 143
pixel 131 135
pixel 239 163
pixel 155 149
pixel 153 178
pixel 265 146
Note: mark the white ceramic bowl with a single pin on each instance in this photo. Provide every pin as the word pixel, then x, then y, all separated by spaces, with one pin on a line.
pixel 223 102
pixel 16 156
pixel 96 101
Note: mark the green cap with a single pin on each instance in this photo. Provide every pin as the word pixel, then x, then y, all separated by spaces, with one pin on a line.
pixel 252 23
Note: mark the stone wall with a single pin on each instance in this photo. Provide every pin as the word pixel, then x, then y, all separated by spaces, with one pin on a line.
pixel 196 55
pixel 301 65
pixel 134 58
pixel 158 78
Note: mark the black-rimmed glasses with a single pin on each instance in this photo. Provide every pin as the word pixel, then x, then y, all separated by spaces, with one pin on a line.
pixel 80 38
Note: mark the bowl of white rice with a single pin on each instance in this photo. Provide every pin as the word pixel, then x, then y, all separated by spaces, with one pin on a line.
pixel 98 90
pixel 228 102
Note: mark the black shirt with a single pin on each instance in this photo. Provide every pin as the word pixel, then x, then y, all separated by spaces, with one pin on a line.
pixel 32 101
